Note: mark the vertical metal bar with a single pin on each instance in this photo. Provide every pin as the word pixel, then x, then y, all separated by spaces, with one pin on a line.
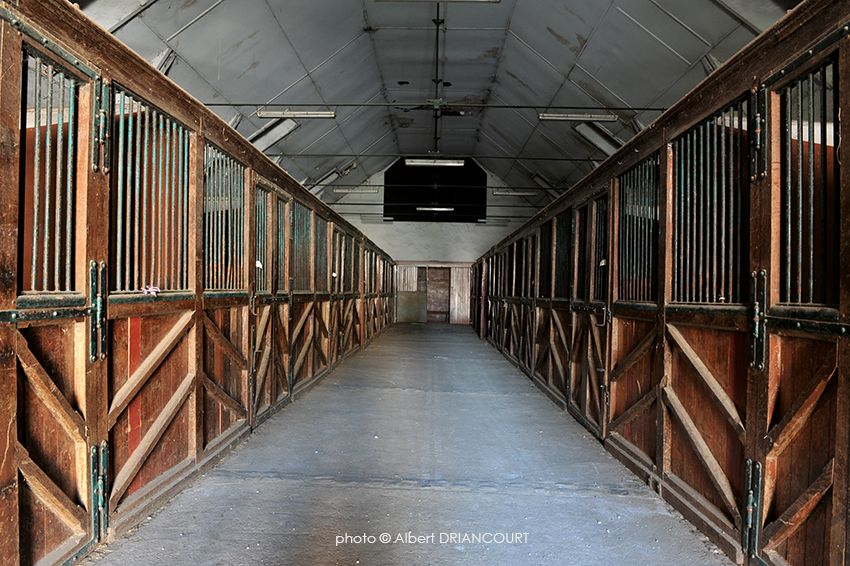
pixel 168 209
pixel 156 201
pixel 712 226
pixel 677 233
pixel 722 215
pixel 736 280
pixel 36 217
pixel 48 162
pixel 799 189
pixel 824 120
pixel 703 210
pixel 181 211
pixel 692 224
pixel 146 276
pixel 69 182
pixel 733 137
pixel 60 142
pixel 137 212
pixel 119 248
pixel 810 231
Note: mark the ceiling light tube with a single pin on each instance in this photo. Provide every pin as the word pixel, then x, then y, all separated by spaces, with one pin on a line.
pixel 541 181
pixel 434 209
pixel 431 162
pixel 544 116
pixel 515 193
pixel 296 114
pixel 358 190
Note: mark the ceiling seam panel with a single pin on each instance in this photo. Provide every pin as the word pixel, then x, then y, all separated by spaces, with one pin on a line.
pixel 312 80
pixel 483 116
pixel 195 19
pixel 389 118
pixel 653 36
pixel 680 22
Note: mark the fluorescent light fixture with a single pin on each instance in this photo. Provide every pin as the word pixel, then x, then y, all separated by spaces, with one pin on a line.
pixel 600 137
pixel 544 116
pixel 433 162
pixel 434 209
pixel 375 218
pixel 498 219
pixel 296 114
pixel 359 190
pixel 541 181
pixel 515 193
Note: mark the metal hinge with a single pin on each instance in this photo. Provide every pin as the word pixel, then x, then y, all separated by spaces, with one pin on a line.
pixel 758 332
pixel 97 312
pixel 752 520
pixel 98 466
pixel 101 126
pixel 758 145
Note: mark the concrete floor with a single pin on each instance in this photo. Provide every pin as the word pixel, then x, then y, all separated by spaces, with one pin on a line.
pixel 428 433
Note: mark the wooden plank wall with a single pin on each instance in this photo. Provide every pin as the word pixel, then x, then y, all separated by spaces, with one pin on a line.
pixel 192 307
pixel 689 301
pixel 450 289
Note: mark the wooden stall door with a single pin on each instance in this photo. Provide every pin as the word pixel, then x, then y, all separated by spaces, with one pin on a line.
pixel 439 279
pixel 588 397
pixel 52 346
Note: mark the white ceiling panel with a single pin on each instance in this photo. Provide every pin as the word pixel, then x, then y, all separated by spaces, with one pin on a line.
pixel 557 30
pixel 529 55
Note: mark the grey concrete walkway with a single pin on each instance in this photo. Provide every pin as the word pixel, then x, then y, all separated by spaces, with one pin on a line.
pixel 428 433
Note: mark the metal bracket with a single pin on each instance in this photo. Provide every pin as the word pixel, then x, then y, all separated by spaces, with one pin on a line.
pixel 758 332
pixel 752 522
pixel 101 125
pixel 758 145
pixel 97 323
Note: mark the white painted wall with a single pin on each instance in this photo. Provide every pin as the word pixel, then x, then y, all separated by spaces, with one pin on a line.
pixel 428 241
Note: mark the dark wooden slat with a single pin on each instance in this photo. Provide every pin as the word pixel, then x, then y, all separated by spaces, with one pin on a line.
pixel 635 410
pixel 70 420
pixel 714 388
pixel 224 398
pixel 214 332
pixel 703 452
pixel 262 326
pixel 137 459
pixel 793 518
pixel 308 343
pixel 54 498
pixel 301 321
pixel 634 356
pixel 262 374
pixel 147 368
pixel 804 405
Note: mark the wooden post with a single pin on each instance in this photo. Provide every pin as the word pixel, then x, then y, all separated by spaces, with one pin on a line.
pixel 195 264
pixel 10 127
pixel 664 358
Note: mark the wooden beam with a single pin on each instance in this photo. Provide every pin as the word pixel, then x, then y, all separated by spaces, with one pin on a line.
pixel 634 356
pixel 49 493
pixel 714 388
pixel 224 398
pixel 793 518
pixel 703 452
pixel 798 415
pixel 635 410
pixel 214 332
pixel 308 343
pixel 301 321
pixel 261 327
pixel 262 374
pixel 137 459
pixel 47 392
pixel 129 390
pixel 556 318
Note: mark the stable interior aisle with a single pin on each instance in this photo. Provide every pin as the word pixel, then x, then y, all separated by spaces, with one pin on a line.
pixel 430 431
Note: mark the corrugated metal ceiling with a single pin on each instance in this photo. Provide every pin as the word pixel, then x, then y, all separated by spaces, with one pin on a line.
pixel 375 56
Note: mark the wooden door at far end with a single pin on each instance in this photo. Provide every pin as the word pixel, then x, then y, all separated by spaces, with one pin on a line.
pixel 439 279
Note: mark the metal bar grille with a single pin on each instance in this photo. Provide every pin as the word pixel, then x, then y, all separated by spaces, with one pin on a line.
pixel 563 253
pixel 710 203
pixel 49 156
pixel 321 255
pixel 262 270
pixel 281 246
pixel 600 261
pixel 355 271
pixel 301 234
pixel 638 250
pixel 581 264
pixel 545 284
pixel 348 261
pixel 224 221
pixel 150 184
pixel 810 191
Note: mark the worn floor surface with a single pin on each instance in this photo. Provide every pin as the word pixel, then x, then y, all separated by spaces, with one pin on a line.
pixel 428 433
